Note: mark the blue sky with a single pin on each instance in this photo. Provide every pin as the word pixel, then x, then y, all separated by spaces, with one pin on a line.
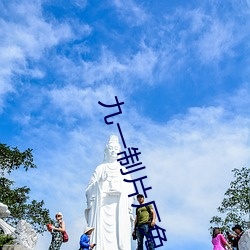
pixel 182 69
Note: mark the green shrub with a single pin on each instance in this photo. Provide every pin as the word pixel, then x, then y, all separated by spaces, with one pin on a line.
pixel 6 240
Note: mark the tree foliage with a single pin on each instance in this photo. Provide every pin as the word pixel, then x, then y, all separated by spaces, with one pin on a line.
pixel 13 158
pixel 235 207
pixel 17 199
pixel 6 240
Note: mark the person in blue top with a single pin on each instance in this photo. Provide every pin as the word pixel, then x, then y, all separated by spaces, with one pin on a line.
pixel 84 240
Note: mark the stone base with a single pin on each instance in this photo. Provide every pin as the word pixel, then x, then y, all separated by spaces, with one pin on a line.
pixel 13 247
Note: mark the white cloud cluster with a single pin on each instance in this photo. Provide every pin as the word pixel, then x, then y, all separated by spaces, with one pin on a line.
pixel 80 3
pixel 25 35
pixel 121 71
pixel 81 102
pixel 131 12
pixel 217 42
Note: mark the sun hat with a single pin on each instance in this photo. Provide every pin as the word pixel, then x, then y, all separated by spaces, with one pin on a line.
pixel 59 213
pixel 88 229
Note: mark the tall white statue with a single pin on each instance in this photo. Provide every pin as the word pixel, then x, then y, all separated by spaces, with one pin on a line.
pixel 109 208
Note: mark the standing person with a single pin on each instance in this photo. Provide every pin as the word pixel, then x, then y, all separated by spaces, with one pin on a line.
pixel 231 240
pixel 56 231
pixel 239 231
pixel 141 223
pixel 84 240
pixel 218 240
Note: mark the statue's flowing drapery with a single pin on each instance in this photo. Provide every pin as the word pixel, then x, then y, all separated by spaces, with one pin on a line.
pixel 109 209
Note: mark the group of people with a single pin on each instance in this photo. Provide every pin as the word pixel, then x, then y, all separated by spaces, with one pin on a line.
pixel 109 211
pixel 142 225
pixel 57 236
pixel 219 242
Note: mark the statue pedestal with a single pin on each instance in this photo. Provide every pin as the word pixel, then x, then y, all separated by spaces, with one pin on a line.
pixel 13 247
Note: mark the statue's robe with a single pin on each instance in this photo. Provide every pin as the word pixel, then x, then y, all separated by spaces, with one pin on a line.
pixel 109 208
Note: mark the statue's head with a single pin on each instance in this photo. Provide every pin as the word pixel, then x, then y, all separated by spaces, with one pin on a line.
pixel 112 148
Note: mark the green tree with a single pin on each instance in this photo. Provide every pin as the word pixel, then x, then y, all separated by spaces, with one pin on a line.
pixel 17 199
pixel 235 207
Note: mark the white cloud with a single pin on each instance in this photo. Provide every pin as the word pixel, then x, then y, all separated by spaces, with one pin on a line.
pixel 31 33
pixel 217 42
pixel 81 102
pixel 80 3
pixel 198 19
pixel 105 69
pixel 121 71
pixel 10 58
pixel 25 35
pixel 131 12
pixel 198 33
pixel 240 100
pixel 143 63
